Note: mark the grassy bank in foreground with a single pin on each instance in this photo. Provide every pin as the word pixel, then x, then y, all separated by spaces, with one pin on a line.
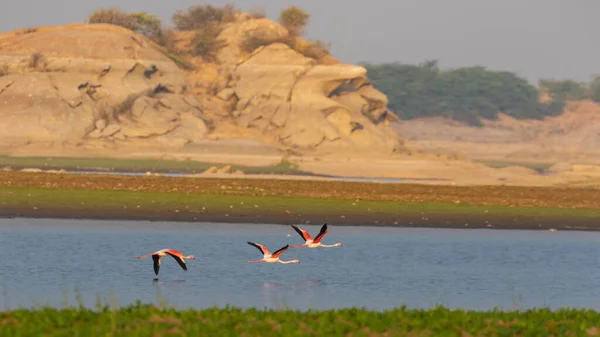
pixel 146 320
pixel 178 206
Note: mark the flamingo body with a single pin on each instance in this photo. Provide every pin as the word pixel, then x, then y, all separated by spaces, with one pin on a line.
pixel 159 254
pixel 309 242
pixel 268 257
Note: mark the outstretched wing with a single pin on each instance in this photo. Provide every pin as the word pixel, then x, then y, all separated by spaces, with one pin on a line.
pixel 179 260
pixel 260 247
pixel 304 234
pixel 280 250
pixel 156 260
pixel 321 234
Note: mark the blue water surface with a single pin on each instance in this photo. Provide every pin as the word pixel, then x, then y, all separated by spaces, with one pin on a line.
pixel 51 262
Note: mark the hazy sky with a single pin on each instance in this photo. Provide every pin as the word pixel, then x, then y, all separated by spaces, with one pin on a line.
pixel 535 38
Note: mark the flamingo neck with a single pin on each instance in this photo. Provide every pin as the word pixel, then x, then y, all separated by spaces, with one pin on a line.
pixel 286 262
pixel 329 246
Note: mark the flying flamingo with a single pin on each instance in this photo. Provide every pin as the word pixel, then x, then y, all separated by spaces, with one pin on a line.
pixel 268 257
pixel 156 256
pixel 316 242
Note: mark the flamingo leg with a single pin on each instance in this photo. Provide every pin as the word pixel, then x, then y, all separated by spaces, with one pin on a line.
pixel 300 246
pixel 255 260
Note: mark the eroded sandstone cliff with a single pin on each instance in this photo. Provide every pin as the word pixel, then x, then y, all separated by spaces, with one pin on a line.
pixel 105 86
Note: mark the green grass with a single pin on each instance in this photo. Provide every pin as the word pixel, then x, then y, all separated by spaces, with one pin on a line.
pixel 137 165
pixel 30 197
pixel 147 320
pixel 539 167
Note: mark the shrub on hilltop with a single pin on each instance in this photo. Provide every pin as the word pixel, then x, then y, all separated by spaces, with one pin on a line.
pixel 141 22
pixel 147 24
pixel 205 22
pixel 316 50
pixel 294 20
pixel 202 16
pixel 114 16
pixel 251 42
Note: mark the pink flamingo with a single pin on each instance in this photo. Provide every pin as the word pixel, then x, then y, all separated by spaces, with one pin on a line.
pixel 156 256
pixel 316 242
pixel 268 257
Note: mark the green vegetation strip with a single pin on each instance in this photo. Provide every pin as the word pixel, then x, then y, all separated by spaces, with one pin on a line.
pixel 174 201
pixel 146 320
pixel 137 165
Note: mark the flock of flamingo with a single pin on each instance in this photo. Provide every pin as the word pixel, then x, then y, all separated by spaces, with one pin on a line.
pixel 268 257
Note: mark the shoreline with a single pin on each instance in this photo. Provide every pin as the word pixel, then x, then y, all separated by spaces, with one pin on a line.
pixel 398 169
pixel 438 221
pixel 272 201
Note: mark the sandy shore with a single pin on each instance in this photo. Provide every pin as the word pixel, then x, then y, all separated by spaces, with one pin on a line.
pixel 426 168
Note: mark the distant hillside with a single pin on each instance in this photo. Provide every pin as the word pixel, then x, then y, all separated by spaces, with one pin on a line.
pixel 571 137
pixel 470 94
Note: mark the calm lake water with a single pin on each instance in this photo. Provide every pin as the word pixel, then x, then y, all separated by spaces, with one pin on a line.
pixel 377 268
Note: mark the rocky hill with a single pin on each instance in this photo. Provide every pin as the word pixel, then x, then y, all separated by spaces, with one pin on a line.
pixel 102 86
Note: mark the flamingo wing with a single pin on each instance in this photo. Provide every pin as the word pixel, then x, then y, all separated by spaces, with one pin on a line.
pixel 304 234
pixel 178 258
pixel 321 234
pixel 172 251
pixel 260 247
pixel 156 260
pixel 280 250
